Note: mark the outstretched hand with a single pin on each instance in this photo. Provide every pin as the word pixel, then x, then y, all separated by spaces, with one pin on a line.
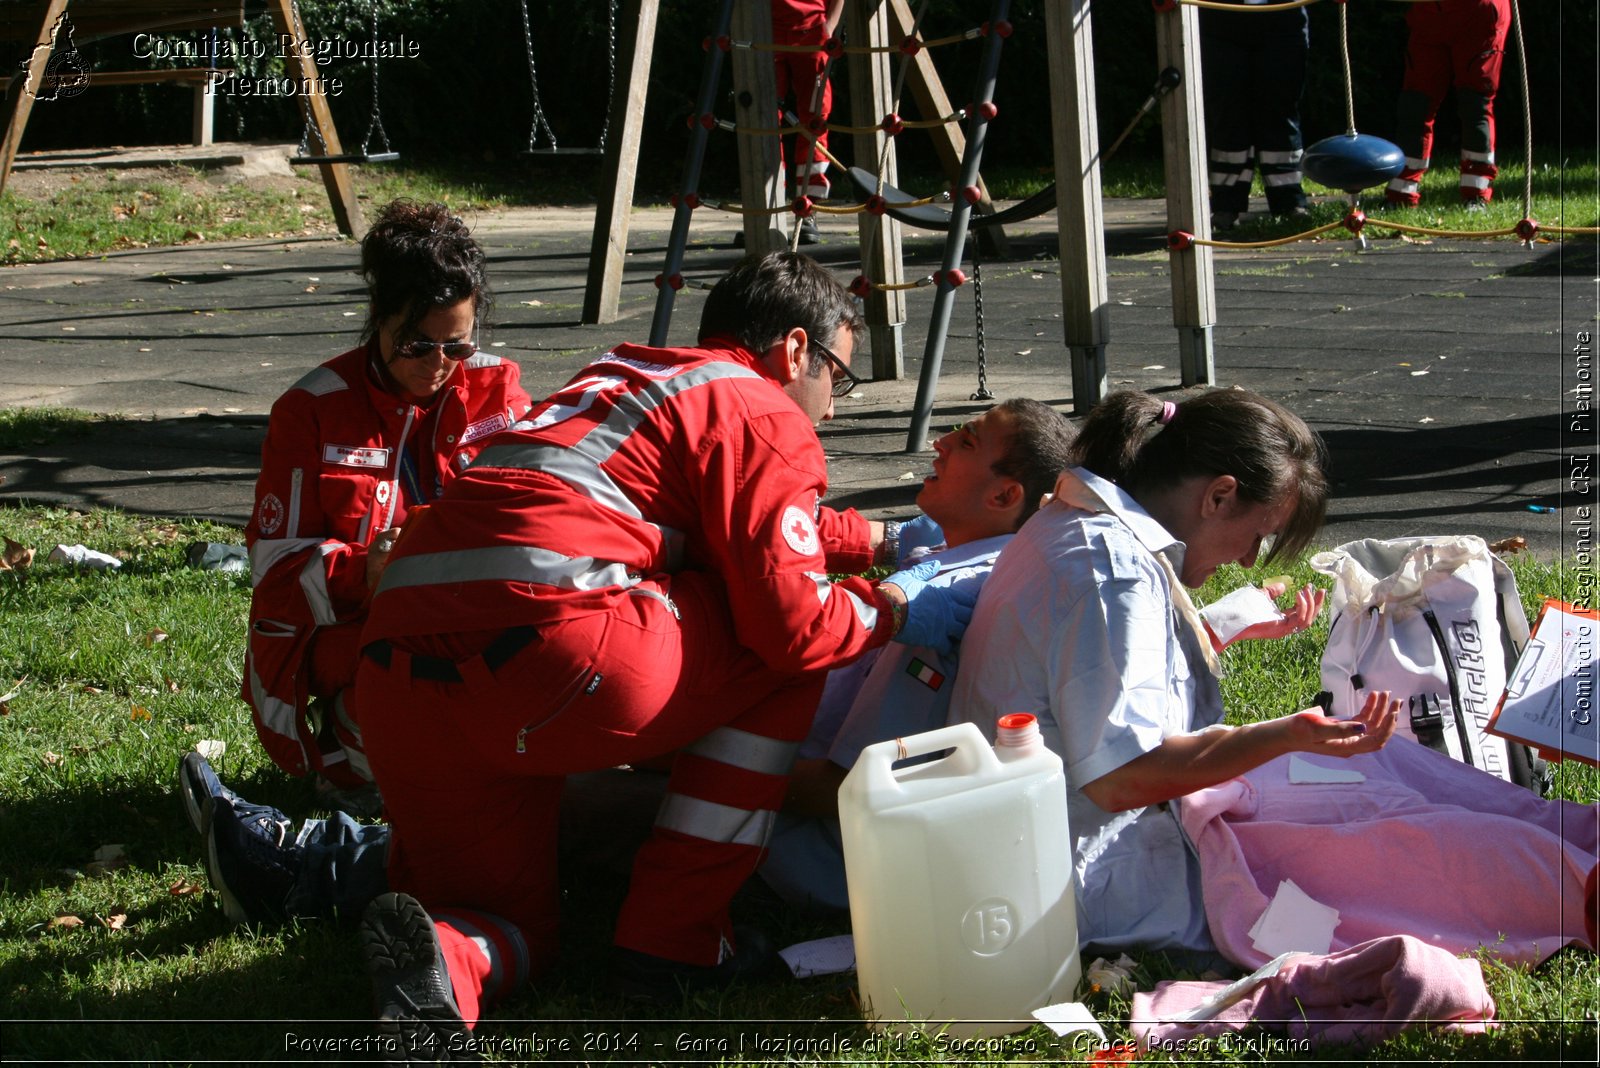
pixel 936 616
pixel 1307 606
pixel 1312 732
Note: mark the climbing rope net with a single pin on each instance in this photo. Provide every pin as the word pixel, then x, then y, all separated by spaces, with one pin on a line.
pixel 892 124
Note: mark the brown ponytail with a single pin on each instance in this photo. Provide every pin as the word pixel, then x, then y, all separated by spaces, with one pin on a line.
pixel 1270 451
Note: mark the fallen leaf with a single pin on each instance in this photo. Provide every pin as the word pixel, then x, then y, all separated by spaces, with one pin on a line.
pixel 66 920
pixel 92 690
pixel 309 289
pixel 906 477
pixel 5 708
pixel 1418 374
pixel 51 759
pixel 534 303
pixel 144 348
pixel 139 714
pixel 115 921
pixel 154 636
pixel 172 685
pixel 211 748
pixel 1024 352
pixel 1426 419
pixel 17 555
pixel 183 888
pixel 1514 544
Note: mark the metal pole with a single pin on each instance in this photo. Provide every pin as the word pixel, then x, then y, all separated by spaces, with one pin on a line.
pixel 709 77
pixel 956 240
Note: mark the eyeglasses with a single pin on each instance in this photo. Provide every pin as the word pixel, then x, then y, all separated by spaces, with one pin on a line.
pixel 453 350
pixel 844 383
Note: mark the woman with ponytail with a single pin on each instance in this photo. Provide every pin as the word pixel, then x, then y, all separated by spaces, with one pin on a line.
pixel 1086 623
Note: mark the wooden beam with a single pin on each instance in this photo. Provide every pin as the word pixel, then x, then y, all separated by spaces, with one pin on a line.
pixel 871 98
pixel 949 143
pixel 1085 302
pixel 755 106
pixel 1183 146
pixel 21 102
pixel 314 110
pixel 602 294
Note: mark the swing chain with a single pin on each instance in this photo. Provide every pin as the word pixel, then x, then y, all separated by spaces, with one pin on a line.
pixel 982 393
pixel 375 121
pixel 299 30
pixel 539 120
pixel 611 60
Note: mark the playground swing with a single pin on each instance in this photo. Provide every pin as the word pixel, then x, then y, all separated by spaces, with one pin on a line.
pixel 539 122
pixel 304 155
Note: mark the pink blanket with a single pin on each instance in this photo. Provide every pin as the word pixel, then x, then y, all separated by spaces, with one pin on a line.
pixel 1426 846
pixel 1361 995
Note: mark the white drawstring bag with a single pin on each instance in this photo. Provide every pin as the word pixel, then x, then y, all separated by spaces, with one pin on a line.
pixel 1439 624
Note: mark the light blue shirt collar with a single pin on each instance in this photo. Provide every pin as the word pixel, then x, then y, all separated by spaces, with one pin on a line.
pixel 1080 488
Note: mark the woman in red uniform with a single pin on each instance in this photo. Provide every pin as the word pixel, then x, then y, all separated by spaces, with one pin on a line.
pixel 350 448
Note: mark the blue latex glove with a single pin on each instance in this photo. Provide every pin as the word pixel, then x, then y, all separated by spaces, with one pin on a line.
pixel 936 616
pixel 919 533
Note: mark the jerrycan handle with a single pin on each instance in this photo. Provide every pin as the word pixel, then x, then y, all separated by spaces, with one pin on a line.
pixel 971 752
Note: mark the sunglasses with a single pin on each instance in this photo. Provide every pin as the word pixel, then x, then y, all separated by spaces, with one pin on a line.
pixel 844 383
pixel 453 350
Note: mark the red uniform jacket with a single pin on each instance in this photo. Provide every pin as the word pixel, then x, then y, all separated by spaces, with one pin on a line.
pixel 649 462
pixel 334 474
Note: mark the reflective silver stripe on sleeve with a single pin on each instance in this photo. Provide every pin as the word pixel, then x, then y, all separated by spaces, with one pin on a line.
pixel 868 614
pixel 580 465
pixel 505 563
pixel 314 584
pixel 279 717
pixel 824 587
pixel 265 553
pixel 714 822
pixel 321 381
pixel 483 359
pixel 296 481
pixel 357 755
pixel 741 749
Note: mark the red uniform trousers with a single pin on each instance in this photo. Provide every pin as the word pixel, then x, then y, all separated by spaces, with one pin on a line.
pixel 472 773
pixel 331 660
pixel 797 74
pixel 1458 43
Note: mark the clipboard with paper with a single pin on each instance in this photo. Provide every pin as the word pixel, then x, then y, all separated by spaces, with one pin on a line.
pixel 1552 701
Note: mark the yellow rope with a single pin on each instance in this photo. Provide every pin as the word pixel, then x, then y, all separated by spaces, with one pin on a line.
pixel 1429 231
pixel 1570 229
pixel 894 287
pixel 1269 244
pixel 868 50
pixel 1214 6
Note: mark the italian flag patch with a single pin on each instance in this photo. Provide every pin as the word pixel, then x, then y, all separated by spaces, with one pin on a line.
pixel 924 674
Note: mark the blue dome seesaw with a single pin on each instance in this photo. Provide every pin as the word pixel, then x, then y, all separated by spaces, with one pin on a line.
pixel 1352 161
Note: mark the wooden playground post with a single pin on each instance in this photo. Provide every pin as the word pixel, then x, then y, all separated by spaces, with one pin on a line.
pixel 22 96
pixel 1183 141
pixel 314 109
pixel 1085 302
pixel 755 92
pixel 608 248
pixel 871 98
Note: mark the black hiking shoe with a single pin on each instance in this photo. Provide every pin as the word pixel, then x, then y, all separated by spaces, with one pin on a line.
pixel 411 990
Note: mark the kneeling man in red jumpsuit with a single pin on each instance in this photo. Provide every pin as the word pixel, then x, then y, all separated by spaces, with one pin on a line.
pixel 640 567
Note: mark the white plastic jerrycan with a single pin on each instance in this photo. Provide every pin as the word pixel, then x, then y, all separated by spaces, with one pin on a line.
pixel 960 879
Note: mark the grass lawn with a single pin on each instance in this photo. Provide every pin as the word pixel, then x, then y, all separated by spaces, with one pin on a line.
pixel 114 949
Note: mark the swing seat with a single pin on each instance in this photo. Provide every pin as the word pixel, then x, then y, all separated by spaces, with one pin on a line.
pixel 533 152
pixel 933 217
pixel 345 157
pixel 1352 162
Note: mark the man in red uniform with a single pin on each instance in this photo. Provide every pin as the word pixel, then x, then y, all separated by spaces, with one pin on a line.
pixel 1459 43
pixel 804 77
pixel 349 448
pixel 639 568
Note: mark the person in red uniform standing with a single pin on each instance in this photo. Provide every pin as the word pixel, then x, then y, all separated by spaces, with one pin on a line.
pixel 803 76
pixel 638 568
pixel 1458 43
pixel 350 449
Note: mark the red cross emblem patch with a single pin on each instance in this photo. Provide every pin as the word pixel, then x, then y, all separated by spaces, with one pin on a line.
pixel 799 531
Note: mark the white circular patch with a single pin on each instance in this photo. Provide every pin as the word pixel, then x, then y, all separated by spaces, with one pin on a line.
pixel 269 514
pixel 799 531
pixel 383 493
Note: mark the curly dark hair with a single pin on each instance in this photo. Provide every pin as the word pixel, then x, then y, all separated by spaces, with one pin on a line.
pixel 418 257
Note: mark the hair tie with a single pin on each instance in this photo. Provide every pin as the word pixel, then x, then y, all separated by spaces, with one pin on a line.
pixel 1168 410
